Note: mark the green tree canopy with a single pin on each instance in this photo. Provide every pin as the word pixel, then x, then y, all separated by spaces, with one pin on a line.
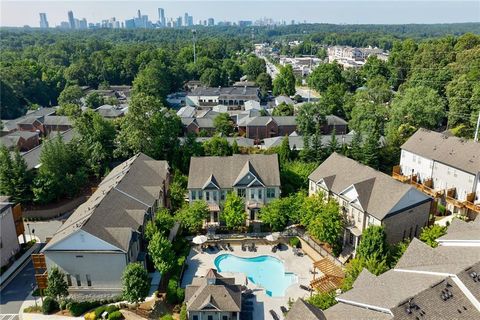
pixel 284 83
pixel 374 242
pixel 57 287
pixel 283 109
pixel 223 124
pixel 14 178
pixel 264 82
pixel 233 211
pixel 192 216
pixel 324 76
pixel 70 94
pixel 135 283
pixel 217 146
pixel 93 100
pixel 161 252
pixel 253 67
pixel 153 80
pixel 431 233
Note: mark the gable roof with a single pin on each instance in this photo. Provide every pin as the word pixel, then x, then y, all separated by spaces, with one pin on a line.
pixel 57 121
pixel 9 125
pixel 370 185
pixel 117 209
pixel 460 230
pixel 228 170
pixel 302 310
pixel 456 152
pixel 223 294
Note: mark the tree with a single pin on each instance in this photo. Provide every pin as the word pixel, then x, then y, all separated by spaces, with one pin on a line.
pixel 284 152
pixel 430 234
pixel 333 99
pixel 150 128
pixel 374 242
pixel 324 76
pixel 284 83
pixel 235 148
pixel 233 211
pixel 323 220
pixel 62 172
pixel 97 141
pixel 253 67
pixel 162 223
pixel 93 100
pixel 264 82
pixel 153 80
pixel 71 94
pixel 217 146
pixel 323 300
pixel 177 190
pixel 57 287
pixel 212 77
pixel 161 252
pixel 135 283
pixel 192 216
pixel 69 109
pixel 14 177
pixel 375 67
pixel 283 109
pixel 310 118
pixel 333 144
pixel 223 124
pixel 374 264
pixel 370 150
pixel 188 149
pixel 279 212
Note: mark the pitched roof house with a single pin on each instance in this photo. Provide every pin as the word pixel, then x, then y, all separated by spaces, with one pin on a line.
pixel 104 234
pixel 255 177
pixel 302 310
pixel 213 296
pixel 370 197
pixel 448 166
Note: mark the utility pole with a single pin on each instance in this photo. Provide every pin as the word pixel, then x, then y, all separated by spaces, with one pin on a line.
pixel 311 57
pixel 194 52
pixel 478 126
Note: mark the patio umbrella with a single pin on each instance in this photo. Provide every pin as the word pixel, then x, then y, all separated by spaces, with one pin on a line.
pixel 272 237
pixel 199 239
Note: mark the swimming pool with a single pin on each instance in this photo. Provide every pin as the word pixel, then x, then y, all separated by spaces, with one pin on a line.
pixel 265 271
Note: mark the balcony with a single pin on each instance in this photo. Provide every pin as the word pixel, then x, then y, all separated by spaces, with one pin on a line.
pixel 475 207
pixel 397 175
pixel 451 198
pixel 425 187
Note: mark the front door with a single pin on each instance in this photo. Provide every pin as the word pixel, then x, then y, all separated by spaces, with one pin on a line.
pixel 215 216
pixel 253 214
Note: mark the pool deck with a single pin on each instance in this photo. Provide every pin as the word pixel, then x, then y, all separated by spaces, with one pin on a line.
pixel 199 263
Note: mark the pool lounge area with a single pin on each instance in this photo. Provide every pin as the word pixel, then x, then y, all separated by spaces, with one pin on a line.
pixel 274 277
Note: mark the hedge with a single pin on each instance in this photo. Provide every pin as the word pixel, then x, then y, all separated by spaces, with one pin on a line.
pixel 115 315
pixel 49 305
pixel 79 308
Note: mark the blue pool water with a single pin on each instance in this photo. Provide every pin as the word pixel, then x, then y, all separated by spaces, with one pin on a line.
pixel 265 271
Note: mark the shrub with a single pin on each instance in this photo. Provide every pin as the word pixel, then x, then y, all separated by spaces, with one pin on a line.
pixel 115 315
pixel 180 295
pixel 49 305
pixel 111 308
pixel 90 316
pixel 33 309
pixel 99 311
pixel 183 312
pixel 79 308
pixel 294 242
pixel 63 304
pixel 172 291
pixel 167 317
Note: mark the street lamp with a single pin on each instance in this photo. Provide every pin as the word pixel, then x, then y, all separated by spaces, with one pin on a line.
pixel 28 227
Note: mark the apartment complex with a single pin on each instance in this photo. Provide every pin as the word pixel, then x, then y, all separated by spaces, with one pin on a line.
pixel 447 168
pixel 105 233
pixel 368 197
pixel 233 97
pixel 9 245
pixel 254 177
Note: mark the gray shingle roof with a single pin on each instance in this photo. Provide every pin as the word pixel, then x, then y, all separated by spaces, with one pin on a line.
pixel 342 311
pixel 462 230
pixel 379 194
pixel 456 152
pixel 333 120
pixel 302 310
pixel 225 92
pixel 117 208
pixel 9 125
pixel 186 111
pixel 57 121
pixel 227 170
pixel 443 259
pixel 221 294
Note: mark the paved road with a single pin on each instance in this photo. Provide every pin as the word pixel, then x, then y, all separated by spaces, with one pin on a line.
pixel 13 295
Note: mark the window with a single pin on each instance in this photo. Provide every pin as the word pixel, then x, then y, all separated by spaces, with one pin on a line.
pixel 271 193
pixel 252 193
pixel 241 192
pixel 455 173
pixel 194 195
pixel 89 280
pixel 195 317
pixel 78 256
pixel 225 317
pixel 210 317
pixel 69 280
pixel 222 195
pixel 260 193
pixel 200 195
pixel 79 282
pixel 359 217
pixel 207 195
pixel 215 195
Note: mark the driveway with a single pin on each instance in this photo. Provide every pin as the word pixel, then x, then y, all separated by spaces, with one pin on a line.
pixel 18 290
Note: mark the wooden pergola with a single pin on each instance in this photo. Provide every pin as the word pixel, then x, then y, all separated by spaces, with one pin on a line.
pixel 332 277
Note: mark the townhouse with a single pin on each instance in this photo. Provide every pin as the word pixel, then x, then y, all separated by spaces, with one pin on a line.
pixel 20 140
pixel 447 168
pixel 427 283
pixel 105 233
pixel 254 177
pixel 213 297
pixel 233 97
pixel 9 232
pixel 368 197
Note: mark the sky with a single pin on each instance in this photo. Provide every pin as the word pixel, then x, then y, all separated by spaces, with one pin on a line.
pixel 24 12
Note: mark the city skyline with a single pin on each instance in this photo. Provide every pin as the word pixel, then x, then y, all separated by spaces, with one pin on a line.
pixel 360 12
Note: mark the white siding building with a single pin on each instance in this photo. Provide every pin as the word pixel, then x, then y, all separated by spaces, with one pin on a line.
pixel 8 236
pixel 448 165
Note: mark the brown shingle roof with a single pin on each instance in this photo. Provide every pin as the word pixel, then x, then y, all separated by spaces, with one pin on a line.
pixel 379 194
pixel 456 152
pixel 227 170
pixel 302 310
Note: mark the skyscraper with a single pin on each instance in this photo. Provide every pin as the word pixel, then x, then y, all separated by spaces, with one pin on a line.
pixel 185 19
pixel 161 17
pixel 71 20
pixel 43 21
pixel 211 22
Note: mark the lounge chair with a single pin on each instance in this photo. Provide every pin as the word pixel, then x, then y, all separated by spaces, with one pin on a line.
pixel 229 247
pixel 305 288
pixel 274 248
pixel 274 315
pixel 284 310
pixel 217 247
